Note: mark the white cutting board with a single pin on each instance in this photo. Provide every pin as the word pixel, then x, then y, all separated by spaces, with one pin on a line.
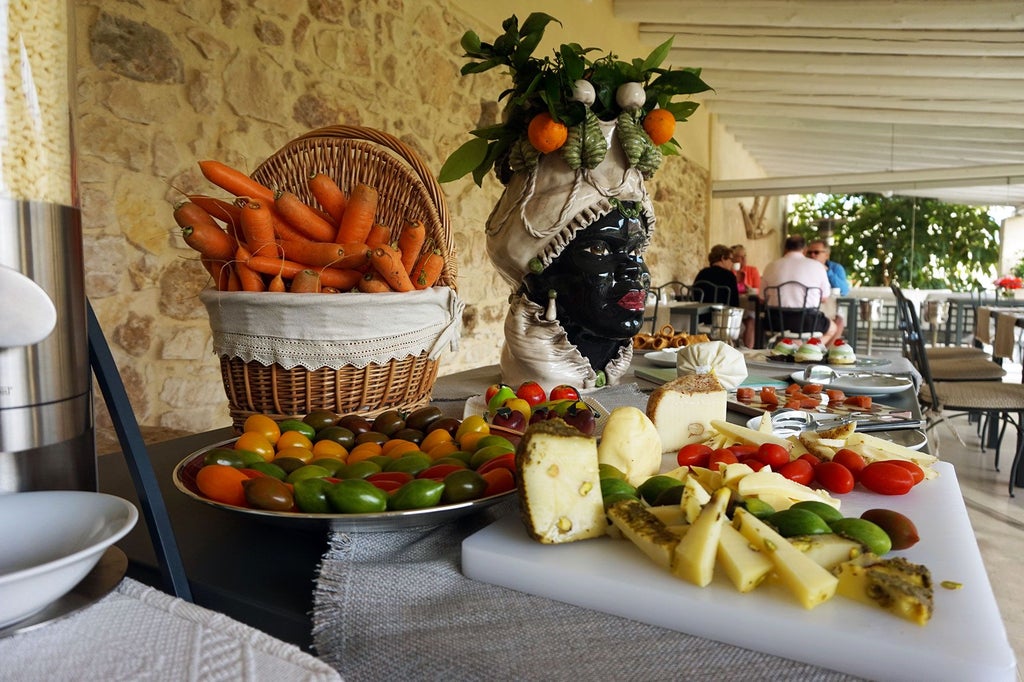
pixel 965 640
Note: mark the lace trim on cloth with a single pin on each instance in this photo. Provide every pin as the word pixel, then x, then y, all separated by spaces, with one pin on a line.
pixel 333 331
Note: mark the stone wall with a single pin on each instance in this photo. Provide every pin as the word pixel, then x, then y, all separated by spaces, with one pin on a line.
pixel 163 84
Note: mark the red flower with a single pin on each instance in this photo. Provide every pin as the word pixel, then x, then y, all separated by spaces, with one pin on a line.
pixel 1009 282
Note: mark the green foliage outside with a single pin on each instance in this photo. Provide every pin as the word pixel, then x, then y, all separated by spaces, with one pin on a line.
pixel 914 242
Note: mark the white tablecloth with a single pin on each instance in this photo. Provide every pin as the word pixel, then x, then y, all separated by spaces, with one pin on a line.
pixel 139 633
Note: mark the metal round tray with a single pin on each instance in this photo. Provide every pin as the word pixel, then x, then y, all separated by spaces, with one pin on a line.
pixel 184 477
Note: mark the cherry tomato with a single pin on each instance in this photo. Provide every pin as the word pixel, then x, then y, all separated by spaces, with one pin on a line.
pixel 564 392
pixel 499 480
pixel 721 455
pixel 851 460
pixel 834 477
pixel 743 451
pixel 915 471
pixel 886 478
pixel 799 470
pixel 531 392
pixel 507 461
pixel 754 464
pixel 744 394
pixel 397 476
pixel 438 471
pixel 693 455
pixel 491 390
pixel 386 485
pixel 810 459
pixel 773 455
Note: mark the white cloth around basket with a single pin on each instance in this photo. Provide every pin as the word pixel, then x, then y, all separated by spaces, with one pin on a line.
pixel 333 330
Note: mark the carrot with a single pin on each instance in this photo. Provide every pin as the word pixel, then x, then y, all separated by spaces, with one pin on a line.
pixel 427 269
pixel 220 271
pixel 249 278
pixel 224 211
pixel 306 282
pixel 330 290
pixel 328 195
pixel 258 228
pixel 359 213
pixel 410 242
pixel 379 234
pixel 373 283
pixel 388 263
pixel 303 218
pixel 234 284
pixel 236 182
pixel 343 279
pixel 325 254
pixel 277 284
pixel 210 241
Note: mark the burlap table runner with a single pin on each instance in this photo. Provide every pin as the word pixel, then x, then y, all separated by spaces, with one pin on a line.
pixel 396 606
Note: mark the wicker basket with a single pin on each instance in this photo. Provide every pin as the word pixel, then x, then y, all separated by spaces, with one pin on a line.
pixel 407 190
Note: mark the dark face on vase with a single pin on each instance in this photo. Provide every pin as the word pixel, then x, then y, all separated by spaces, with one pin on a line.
pixel 601 280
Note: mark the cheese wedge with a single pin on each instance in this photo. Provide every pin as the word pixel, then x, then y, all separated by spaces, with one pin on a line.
pixel 695 553
pixel 682 410
pixel 643 529
pixel 896 585
pixel 745 566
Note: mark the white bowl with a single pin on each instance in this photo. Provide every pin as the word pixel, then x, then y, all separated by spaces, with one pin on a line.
pixel 50 540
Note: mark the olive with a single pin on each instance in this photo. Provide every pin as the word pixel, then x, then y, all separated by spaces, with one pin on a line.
pixel 449 424
pixel 388 422
pixel 339 434
pixel 355 423
pixel 268 493
pixel 321 419
pixel 414 435
pixel 462 486
pixel 311 496
pixel 416 494
pixel 355 496
pixel 371 437
pixel 422 418
pixel 672 495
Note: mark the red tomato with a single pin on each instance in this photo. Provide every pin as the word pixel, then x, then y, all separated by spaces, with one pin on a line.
pixel 564 392
pixel 693 455
pixel 754 464
pixel 862 402
pixel 915 471
pixel 792 388
pixel 743 451
pixel 768 395
pixel 531 392
pixel 799 470
pixel 439 471
pixel 886 478
pixel 508 461
pixel 499 481
pixel 810 459
pixel 851 460
pixel 721 455
pixel 253 473
pixel 387 485
pixel 744 394
pixel 834 477
pixel 773 455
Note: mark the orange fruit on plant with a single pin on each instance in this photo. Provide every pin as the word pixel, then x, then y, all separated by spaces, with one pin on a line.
pixel 254 441
pixel 222 483
pixel 660 125
pixel 546 134
pixel 261 423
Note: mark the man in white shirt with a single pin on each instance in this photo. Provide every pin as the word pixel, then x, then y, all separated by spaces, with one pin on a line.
pixel 795 266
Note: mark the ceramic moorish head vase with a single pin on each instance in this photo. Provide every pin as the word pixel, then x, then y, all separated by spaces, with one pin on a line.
pixel 570 229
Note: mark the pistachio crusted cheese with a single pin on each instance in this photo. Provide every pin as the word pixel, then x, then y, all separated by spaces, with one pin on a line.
pixel 645 530
pixel 559 484
pixel 682 410
pixel 896 585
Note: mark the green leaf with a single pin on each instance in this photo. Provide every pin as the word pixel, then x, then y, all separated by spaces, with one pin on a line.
pixel 658 55
pixel 470 43
pixel 682 110
pixel 493 132
pixel 463 160
pixel 480 67
pixel 573 62
pixel 678 82
pixel 536 23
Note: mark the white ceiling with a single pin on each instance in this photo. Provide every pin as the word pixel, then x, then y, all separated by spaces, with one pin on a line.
pixel 919 97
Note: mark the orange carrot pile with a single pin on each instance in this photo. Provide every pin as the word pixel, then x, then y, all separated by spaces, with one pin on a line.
pixel 267 239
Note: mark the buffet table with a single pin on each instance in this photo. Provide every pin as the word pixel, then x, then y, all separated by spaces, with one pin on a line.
pixel 377 605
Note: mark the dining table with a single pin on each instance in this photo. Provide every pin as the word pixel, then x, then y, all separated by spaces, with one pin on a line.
pixel 376 605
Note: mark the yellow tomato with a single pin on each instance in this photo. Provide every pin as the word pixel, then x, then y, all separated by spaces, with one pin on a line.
pixel 256 442
pixel 396 447
pixel 442 449
pixel 519 405
pixel 291 439
pixel 436 437
pixel 329 448
pixel 261 423
pixel 296 451
pixel 472 424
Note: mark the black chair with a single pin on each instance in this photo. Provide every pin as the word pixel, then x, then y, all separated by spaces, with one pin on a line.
pixel 669 291
pixel 786 321
pixel 1003 400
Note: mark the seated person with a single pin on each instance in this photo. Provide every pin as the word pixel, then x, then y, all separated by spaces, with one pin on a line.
pixel 748 279
pixel 819 250
pixel 795 266
pixel 717 284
